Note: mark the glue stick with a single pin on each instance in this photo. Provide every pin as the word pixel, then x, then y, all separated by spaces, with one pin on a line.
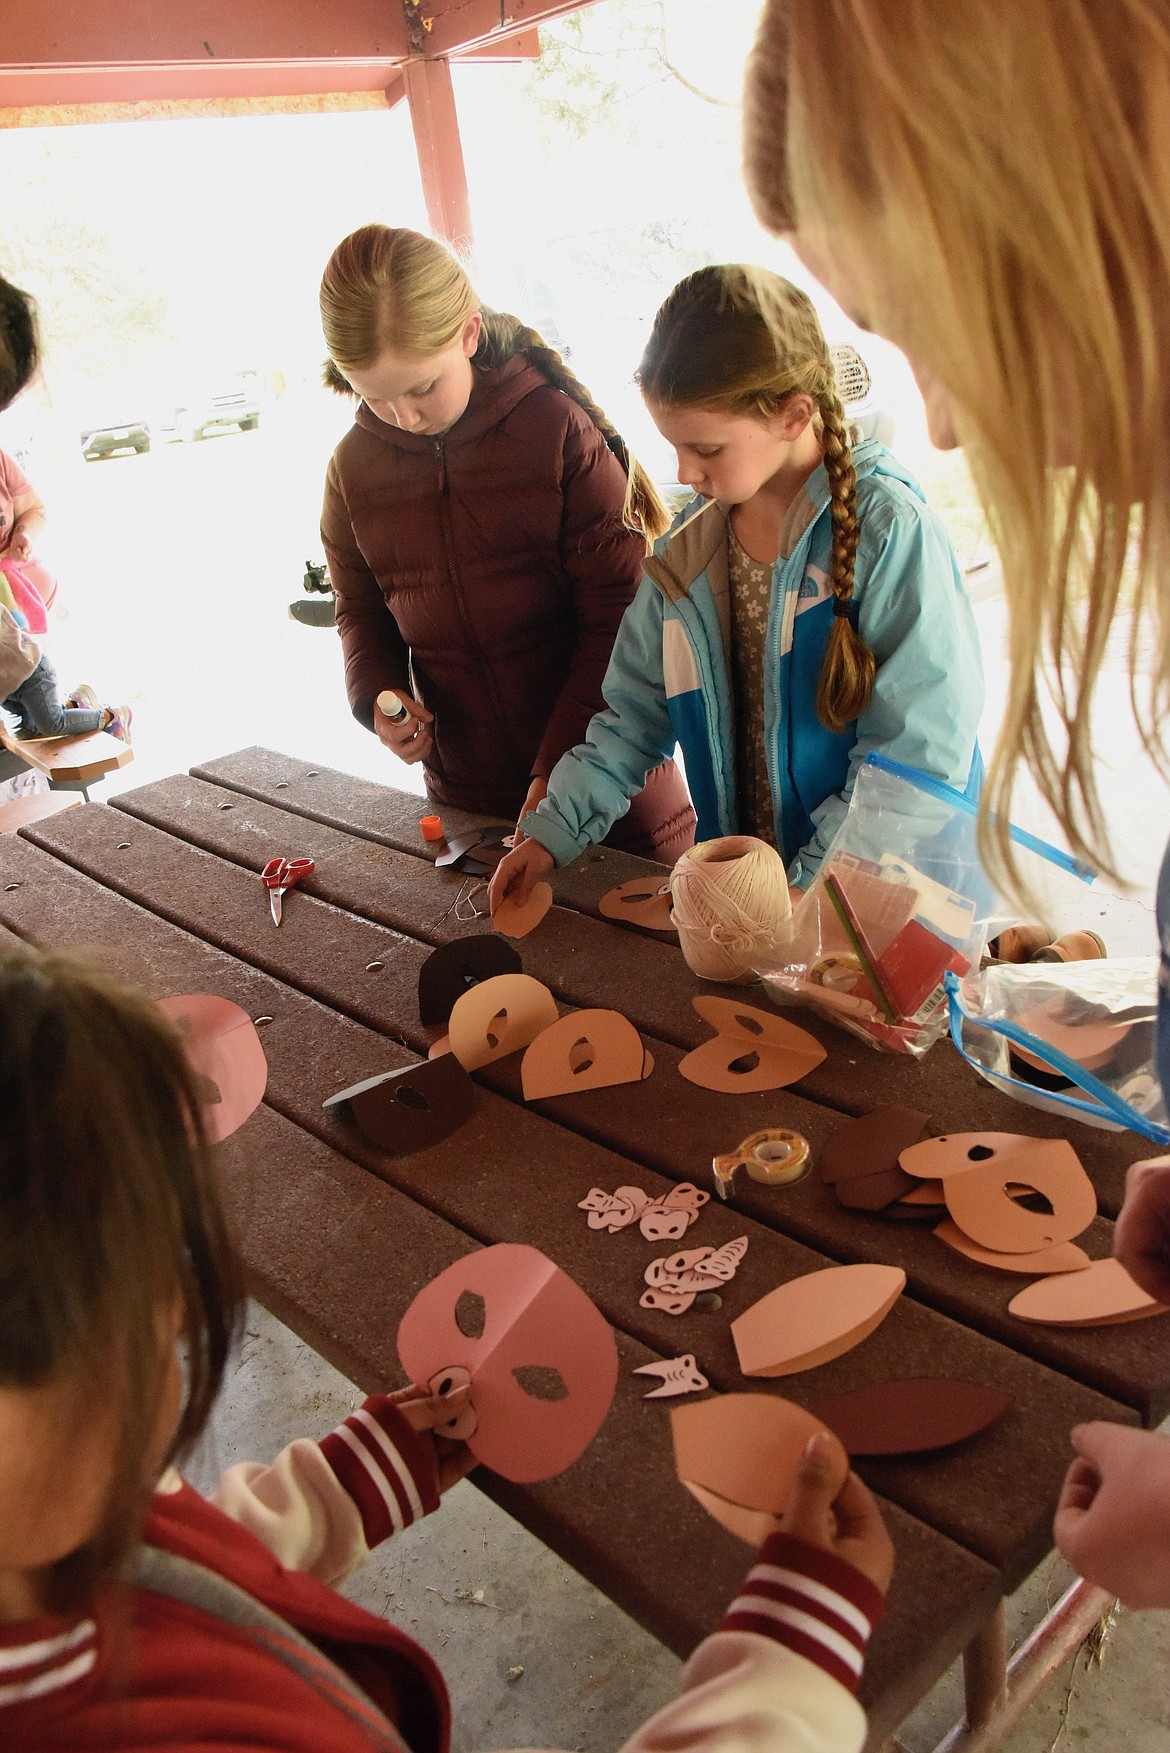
pixel 392 706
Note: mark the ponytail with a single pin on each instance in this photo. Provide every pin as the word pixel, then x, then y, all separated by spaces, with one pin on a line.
pixel 849 667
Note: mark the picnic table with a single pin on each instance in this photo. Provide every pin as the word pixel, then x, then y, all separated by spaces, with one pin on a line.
pixel 161 886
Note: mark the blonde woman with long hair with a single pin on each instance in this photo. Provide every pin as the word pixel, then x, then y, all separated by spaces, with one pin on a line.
pixel 805 610
pixel 485 529
pixel 995 197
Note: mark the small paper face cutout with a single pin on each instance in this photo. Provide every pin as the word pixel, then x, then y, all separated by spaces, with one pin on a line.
pixel 409 1110
pixel 498 1017
pixel 222 1047
pixel 585 1050
pixel 541 1359
pixel 1063 1257
pixel 752 1049
pixel 664 1219
pixel 680 1375
pixel 904 1418
pixel 643 901
pixel 812 1319
pixel 1102 1296
pixel 517 919
pixel 738 1455
pixel 455 967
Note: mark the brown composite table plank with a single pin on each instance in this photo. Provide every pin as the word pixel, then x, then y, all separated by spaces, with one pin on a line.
pixel 974 1493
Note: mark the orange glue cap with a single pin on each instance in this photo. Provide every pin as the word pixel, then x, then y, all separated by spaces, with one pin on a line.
pixel 431 827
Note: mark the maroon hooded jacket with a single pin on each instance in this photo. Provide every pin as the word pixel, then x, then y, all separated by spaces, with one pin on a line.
pixel 485 573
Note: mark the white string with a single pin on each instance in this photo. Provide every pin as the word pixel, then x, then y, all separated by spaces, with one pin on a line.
pixel 730 899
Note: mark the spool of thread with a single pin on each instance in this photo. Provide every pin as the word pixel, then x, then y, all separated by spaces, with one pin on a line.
pixel 730 901
pixel 392 706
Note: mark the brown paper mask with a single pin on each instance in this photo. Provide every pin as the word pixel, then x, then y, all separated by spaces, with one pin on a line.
pixel 812 1319
pixel 904 1418
pixel 1102 1296
pixel 978 1168
pixel 409 1110
pixel 222 1048
pixel 643 901
pixel 752 1050
pixel 738 1455
pixel 498 1017
pixel 585 1050
pixel 541 1359
pixel 454 967
pixel 517 919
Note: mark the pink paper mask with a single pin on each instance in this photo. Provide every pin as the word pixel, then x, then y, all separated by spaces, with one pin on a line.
pixel 223 1050
pixel 541 1359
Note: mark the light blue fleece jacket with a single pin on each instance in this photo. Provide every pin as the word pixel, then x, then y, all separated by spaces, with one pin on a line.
pixel 668 681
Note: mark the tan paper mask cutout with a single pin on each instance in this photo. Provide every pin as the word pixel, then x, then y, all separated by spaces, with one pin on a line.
pixel 542 1361
pixel 1063 1257
pixel 738 1455
pixel 1103 1296
pixel 956 1152
pixel 980 1198
pixel 680 1375
pixel 907 1417
pixel 664 1219
pixel 811 1320
pixel 455 967
pixel 585 1050
pixel 643 901
pixel 517 920
pixel 413 1108
pixel 222 1047
pixel 498 1017
pixel 752 1050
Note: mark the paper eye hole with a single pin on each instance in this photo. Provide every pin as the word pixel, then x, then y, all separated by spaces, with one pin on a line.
pixel 751 1024
pixel 471 1315
pixel 745 1063
pixel 412 1098
pixel 979 1153
pixel 541 1381
pixel 494 1033
pixel 581 1055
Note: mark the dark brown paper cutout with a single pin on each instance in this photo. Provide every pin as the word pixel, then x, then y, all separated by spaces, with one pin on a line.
pixel 411 1109
pixel 871 1144
pixel 450 970
pixel 872 1192
pixel 907 1417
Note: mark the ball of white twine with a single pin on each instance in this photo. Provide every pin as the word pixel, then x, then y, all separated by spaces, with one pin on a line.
pixel 730 899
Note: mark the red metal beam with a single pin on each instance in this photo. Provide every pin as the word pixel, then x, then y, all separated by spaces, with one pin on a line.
pixel 143 32
pixel 440 150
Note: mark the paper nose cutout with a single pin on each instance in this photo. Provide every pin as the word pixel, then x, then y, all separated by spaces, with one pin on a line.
pixel 752 1050
pixel 812 1319
pixel 410 1109
pixel 463 1424
pixel 586 1050
pixel 498 1017
pixel 643 901
pixel 738 1455
pixel 517 919
pixel 977 1169
pixel 906 1417
pixel 1100 1297
pixel 223 1049
pixel 455 967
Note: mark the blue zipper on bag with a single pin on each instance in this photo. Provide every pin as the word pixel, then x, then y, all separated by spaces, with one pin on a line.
pixel 938 788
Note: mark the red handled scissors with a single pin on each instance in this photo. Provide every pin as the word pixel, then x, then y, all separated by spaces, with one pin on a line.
pixel 280 874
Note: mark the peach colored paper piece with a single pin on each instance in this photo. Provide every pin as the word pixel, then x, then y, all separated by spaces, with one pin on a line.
pixel 953 1153
pixel 223 1049
pixel 738 1455
pixel 537 1331
pixel 517 919
pixel 928 1192
pixel 913 1415
pixel 982 1199
pixel 752 1050
pixel 675 1280
pixel 680 1375
pixel 585 1050
pixel 643 901
pixel 498 1017
pixel 664 1219
pixel 1089 1044
pixel 1102 1296
pixel 817 1317
pixel 1062 1257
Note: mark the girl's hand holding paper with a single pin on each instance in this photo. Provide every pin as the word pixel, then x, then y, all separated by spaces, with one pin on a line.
pixel 517 874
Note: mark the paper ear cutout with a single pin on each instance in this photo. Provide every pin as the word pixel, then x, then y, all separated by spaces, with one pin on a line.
pixel 977 1170
pixel 585 1050
pixel 811 1320
pixel 517 919
pixel 1102 1296
pixel 455 967
pixel 542 1360
pixel 498 1017
pixel 410 1109
pixel 643 901
pixel 904 1418
pixel 738 1455
pixel 222 1048
pixel 752 1049
pixel 1063 1257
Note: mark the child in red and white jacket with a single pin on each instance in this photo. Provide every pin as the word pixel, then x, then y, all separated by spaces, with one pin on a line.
pixel 136 1614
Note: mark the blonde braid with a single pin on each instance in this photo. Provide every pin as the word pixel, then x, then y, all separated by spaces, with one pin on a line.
pixel 504 336
pixel 849 667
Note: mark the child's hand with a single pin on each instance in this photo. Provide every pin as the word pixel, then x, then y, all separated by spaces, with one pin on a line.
pixel 516 874
pixel 829 1506
pixel 413 739
pixel 1113 1520
pixel 423 1412
pixel 19 545
pixel 1141 1237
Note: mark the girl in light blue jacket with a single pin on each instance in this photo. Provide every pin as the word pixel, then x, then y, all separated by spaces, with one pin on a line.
pixel 805 608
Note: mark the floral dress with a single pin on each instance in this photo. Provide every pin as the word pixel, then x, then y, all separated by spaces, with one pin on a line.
pixel 751 595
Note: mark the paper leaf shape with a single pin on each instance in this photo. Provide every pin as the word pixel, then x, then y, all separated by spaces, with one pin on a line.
pixel 450 970
pixel 223 1049
pixel 517 919
pixel 983 1196
pixel 812 1319
pixel 870 1145
pixel 541 1333
pixel 643 901
pixel 905 1417
pixel 752 1049
pixel 585 1050
pixel 410 1109
pixel 1102 1296
pixel 738 1455
pixel 1063 1257
pixel 680 1375
pixel 498 1017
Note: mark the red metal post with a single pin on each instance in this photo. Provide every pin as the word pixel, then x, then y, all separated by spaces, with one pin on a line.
pixel 440 150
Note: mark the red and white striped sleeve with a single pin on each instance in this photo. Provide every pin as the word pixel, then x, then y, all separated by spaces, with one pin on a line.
pixel 812 1601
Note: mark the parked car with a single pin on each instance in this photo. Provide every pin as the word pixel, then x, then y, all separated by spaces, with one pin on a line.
pixel 104 441
pixel 231 401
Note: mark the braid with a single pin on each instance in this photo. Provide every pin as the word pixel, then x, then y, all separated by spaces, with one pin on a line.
pixel 847 674
pixel 502 338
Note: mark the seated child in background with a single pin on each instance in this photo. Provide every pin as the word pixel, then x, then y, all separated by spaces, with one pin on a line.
pixel 223 1630
pixel 805 608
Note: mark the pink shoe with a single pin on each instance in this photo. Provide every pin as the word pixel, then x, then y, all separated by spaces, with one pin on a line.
pixel 118 723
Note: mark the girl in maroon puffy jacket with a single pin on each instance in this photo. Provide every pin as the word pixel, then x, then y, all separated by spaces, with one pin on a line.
pixel 475 523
